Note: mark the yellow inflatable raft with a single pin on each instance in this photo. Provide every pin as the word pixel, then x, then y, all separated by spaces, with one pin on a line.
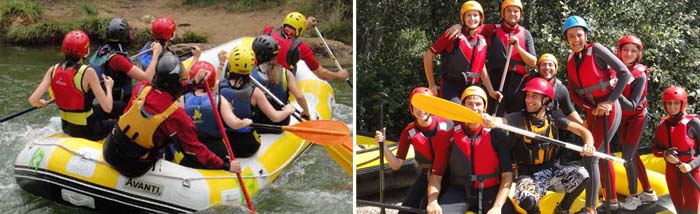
pixel 72 171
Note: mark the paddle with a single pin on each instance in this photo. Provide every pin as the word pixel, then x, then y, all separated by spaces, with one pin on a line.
pixel 503 76
pixel 380 126
pixel 297 112
pixel 608 182
pixel 228 147
pixel 390 206
pixel 22 112
pixel 456 112
pixel 328 48
pixel 324 132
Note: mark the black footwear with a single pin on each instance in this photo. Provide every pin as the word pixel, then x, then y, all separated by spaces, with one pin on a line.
pixel 559 210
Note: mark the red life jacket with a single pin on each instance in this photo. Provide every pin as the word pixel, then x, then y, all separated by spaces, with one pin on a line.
pixel 288 54
pixel 466 60
pixel 478 155
pixel 590 81
pixel 677 136
pixel 423 146
pixel 74 103
pixel 637 70
pixel 516 62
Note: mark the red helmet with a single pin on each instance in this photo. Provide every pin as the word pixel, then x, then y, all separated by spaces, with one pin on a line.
pixel 418 90
pixel 541 86
pixel 676 93
pixel 630 39
pixel 76 44
pixel 163 28
pixel 204 65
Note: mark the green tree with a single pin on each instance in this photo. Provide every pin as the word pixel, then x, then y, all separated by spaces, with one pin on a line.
pixel 394 34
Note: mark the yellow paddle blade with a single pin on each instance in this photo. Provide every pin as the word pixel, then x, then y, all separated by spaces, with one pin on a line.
pixel 445 109
pixel 325 132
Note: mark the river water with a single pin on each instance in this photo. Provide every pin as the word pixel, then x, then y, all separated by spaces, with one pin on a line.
pixel 312 184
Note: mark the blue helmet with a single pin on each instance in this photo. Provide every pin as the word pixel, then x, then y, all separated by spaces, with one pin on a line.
pixel 574 21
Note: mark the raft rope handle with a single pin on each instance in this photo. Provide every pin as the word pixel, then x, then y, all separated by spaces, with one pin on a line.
pixel 185 181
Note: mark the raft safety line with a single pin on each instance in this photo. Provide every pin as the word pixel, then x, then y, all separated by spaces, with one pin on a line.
pixel 184 180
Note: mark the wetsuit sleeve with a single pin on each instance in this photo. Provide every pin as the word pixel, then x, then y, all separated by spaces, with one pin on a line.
pixel 579 102
pixel 306 54
pixel 440 44
pixel 498 140
pixel 656 147
pixel 605 57
pixel 404 143
pixel 530 43
pixel 560 120
pixel 638 87
pixel 184 128
pixel 694 133
pixel 442 152
pixel 564 99
pixel 120 63
pixel 486 30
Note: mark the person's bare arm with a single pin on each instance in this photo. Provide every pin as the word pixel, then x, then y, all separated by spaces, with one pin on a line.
pixel 292 86
pixel 229 118
pixel 261 102
pixel 104 97
pixel 35 99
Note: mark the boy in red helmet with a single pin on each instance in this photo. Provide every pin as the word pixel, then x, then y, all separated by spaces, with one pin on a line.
pixel 634 110
pixel 74 101
pixel 162 32
pixel 427 134
pixel 679 133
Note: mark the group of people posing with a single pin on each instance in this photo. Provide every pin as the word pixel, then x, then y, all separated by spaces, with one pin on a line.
pixel 471 167
pixel 168 113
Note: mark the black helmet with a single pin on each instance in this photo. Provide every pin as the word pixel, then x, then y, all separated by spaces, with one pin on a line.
pixel 118 30
pixel 265 48
pixel 169 72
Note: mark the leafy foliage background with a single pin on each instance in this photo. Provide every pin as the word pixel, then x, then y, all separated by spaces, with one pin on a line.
pixel 392 36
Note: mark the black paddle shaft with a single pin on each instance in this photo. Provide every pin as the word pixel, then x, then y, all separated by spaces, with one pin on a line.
pixel 20 113
pixel 380 126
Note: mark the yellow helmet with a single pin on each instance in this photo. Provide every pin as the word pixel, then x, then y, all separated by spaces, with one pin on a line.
pixel 475 91
pixel 297 21
pixel 241 60
pixel 548 57
pixel 508 3
pixel 469 6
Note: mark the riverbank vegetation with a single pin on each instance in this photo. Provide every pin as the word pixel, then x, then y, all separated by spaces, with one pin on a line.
pixel 24 23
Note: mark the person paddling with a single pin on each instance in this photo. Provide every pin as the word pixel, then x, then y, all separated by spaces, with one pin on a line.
pixel 152 121
pixel 292 49
pixel 74 86
pixel 245 98
pixel 280 81
pixel 112 60
pixel 197 105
